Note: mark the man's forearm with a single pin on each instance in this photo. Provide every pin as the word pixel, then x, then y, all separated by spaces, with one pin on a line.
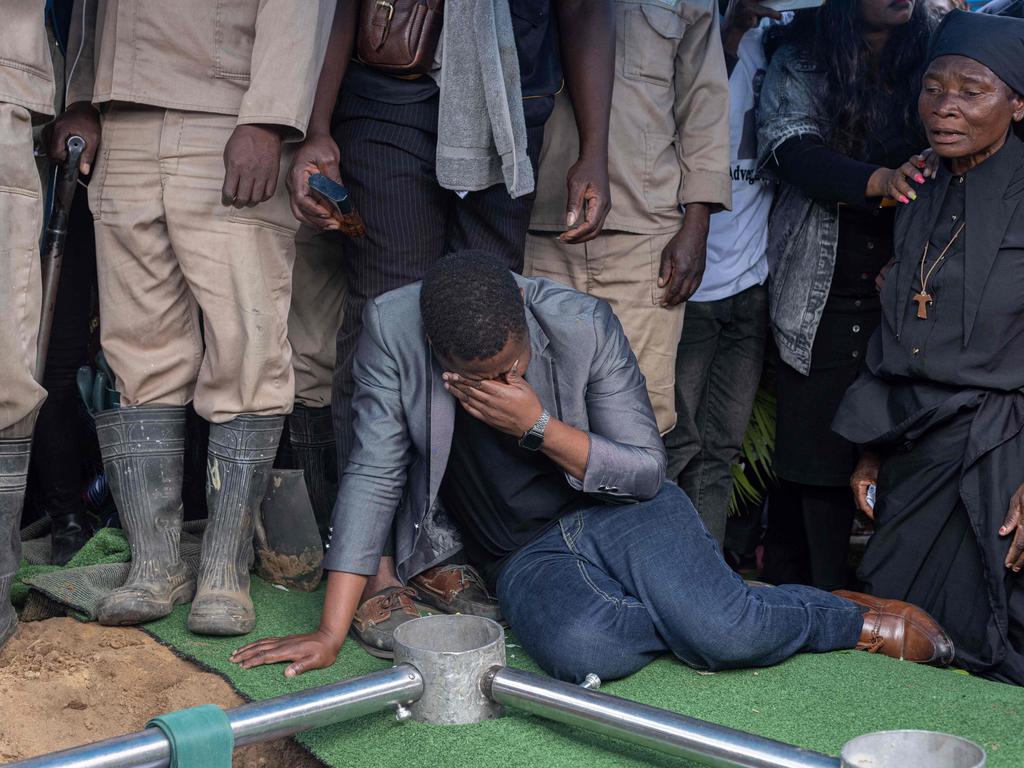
pixel 339 52
pixel 340 603
pixel 568 447
pixel 587 37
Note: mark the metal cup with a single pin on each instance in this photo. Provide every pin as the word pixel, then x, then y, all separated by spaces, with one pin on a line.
pixel 912 749
pixel 453 654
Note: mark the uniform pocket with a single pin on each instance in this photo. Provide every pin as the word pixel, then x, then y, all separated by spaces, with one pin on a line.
pixel 275 213
pixel 98 177
pixel 661 172
pixel 652 34
pixel 234 32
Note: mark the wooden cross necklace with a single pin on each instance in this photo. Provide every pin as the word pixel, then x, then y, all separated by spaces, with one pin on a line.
pixel 922 297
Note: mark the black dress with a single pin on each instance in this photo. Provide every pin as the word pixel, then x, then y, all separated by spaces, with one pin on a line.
pixel 811 511
pixel 807 451
pixel 942 398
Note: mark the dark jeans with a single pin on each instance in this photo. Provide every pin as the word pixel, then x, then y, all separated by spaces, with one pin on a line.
pixel 718 369
pixel 610 588
pixel 387 161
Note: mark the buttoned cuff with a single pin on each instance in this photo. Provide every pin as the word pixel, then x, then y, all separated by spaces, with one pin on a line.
pixel 709 187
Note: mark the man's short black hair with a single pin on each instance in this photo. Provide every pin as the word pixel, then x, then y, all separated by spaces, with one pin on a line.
pixel 471 306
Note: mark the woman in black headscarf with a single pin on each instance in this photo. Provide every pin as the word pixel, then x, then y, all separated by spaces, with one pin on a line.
pixel 941 402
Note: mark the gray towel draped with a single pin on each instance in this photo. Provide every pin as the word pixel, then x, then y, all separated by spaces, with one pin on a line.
pixel 481 131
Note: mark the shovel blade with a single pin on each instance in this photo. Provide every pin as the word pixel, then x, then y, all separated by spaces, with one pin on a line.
pixel 288 547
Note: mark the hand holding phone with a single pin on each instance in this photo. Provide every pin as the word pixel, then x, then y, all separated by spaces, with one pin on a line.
pixel 335 198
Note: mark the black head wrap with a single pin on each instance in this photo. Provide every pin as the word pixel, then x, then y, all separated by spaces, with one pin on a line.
pixel 995 41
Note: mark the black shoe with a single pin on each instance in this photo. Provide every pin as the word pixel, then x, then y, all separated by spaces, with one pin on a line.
pixel 68 534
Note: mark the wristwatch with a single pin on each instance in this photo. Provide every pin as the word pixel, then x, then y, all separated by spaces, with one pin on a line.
pixel 533 438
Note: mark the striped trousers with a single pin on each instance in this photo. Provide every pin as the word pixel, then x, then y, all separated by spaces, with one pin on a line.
pixel 387 163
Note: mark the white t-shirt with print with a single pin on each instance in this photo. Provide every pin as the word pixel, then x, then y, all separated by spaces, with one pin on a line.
pixel 738 238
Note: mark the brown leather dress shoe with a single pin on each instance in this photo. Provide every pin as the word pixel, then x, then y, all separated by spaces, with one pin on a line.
pixel 901 631
pixel 378 617
pixel 456 589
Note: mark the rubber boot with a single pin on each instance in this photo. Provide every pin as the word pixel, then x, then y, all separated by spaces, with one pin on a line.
pixel 241 455
pixel 69 532
pixel 143 451
pixel 13 477
pixel 311 434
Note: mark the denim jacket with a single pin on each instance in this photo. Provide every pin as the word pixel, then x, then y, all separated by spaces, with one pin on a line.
pixel 802 233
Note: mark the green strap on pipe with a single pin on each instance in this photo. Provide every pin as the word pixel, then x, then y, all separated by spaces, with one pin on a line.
pixel 200 736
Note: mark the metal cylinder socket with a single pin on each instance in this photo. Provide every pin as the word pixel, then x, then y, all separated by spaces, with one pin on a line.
pixel 453 654
pixel 912 749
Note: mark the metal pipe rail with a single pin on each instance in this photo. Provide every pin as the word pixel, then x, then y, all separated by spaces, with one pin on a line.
pixel 255 722
pixel 658 729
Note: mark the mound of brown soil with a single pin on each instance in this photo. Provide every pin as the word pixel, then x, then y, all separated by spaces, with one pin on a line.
pixel 64 683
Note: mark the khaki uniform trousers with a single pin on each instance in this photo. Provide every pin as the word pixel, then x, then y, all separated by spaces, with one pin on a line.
pixel 167 249
pixel 622 268
pixel 21 218
pixel 318 299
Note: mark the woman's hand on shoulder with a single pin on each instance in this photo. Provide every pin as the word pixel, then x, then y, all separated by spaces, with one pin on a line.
pixel 1014 525
pixel 897 183
pixel 927 162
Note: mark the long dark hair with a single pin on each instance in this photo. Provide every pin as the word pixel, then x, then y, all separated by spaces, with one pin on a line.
pixel 859 96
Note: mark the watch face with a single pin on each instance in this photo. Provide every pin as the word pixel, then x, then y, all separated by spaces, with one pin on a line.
pixel 532 441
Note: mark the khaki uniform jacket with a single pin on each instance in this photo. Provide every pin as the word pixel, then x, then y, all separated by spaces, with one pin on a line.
pixel 257 59
pixel 669 131
pixel 26 69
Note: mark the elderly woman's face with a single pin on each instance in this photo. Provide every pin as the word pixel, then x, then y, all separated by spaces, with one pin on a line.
pixel 965 108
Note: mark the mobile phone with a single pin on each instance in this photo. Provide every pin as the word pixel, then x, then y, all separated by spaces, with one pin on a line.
pixel 791 5
pixel 871 495
pixel 330 193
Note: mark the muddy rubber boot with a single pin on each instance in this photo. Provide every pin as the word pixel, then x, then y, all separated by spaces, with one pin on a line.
pixel 311 434
pixel 143 451
pixel 13 477
pixel 238 465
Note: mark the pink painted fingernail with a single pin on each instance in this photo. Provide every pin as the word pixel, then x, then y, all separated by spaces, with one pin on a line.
pixel 903 199
pixel 919 179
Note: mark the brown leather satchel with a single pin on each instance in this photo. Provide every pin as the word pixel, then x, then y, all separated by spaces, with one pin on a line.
pixel 399 36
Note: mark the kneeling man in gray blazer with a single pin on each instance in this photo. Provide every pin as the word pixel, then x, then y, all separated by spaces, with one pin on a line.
pixel 514 408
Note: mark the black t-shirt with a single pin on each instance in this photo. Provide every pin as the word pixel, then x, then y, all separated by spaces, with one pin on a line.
pixel 501 496
pixel 540 70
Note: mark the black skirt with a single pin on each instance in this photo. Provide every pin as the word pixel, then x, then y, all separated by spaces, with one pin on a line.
pixel 926 550
pixel 807 451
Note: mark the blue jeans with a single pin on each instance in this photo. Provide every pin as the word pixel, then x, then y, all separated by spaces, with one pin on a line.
pixel 610 588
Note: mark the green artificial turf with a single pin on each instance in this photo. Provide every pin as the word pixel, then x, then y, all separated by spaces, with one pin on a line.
pixel 107 545
pixel 815 701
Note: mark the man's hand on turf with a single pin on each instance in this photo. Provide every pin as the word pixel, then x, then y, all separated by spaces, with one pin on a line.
pixel 510 406
pixel 315 650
